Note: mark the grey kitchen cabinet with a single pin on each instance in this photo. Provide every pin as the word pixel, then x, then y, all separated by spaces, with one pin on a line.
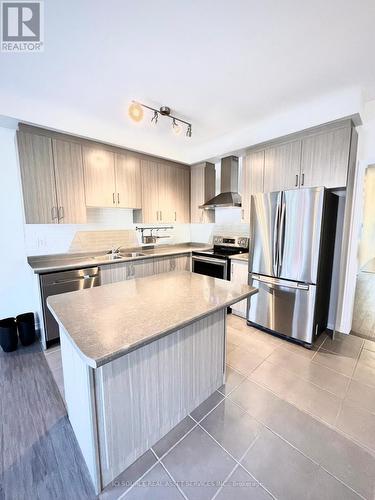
pixel 38 178
pixel 252 180
pixel 140 268
pixel 239 275
pixel 128 181
pixel 172 263
pixel 150 176
pixel 202 189
pixel 99 169
pixel 112 179
pixel 52 180
pixel 69 182
pixel 282 166
pixel 165 192
pixel 325 158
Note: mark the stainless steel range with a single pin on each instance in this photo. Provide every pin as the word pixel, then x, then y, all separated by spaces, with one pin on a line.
pixel 216 261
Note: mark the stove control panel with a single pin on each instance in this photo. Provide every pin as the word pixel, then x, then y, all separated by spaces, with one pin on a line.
pixel 239 241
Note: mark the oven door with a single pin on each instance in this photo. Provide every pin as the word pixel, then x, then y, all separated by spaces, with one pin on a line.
pixel 210 266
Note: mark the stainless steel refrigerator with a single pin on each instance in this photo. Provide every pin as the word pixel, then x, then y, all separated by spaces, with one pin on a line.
pixel 291 256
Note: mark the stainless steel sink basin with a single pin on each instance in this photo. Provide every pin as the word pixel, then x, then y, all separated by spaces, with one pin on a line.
pixel 109 256
pixel 133 254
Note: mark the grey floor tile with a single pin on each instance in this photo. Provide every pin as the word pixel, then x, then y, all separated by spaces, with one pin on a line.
pixel 326 487
pixel 358 423
pixel 155 485
pixel 365 369
pixel 336 453
pixel 300 349
pixel 207 405
pixel 127 478
pixel 369 345
pixel 170 439
pixel 242 486
pixel 361 395
pixel 312 372
pixel 278 380
pixel 232 380
pixel 280 468
pixel 345 345
pixel 315 400
pixel 232 427
pixel 199 465
pixel 341 364
pixel 244 360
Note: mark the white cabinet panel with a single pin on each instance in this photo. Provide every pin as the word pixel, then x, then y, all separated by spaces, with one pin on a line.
pixel 239 274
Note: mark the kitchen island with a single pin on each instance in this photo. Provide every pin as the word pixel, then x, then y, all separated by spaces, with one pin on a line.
pixel 138 356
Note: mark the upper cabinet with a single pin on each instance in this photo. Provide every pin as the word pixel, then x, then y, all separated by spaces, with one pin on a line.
pixel 128 181
pixel 202 189
pixel 282 166
pixel 252 180
pixel 69 182
pixel 165 192
pixel 100 183
pixel 112 179
pixel 325 158
pixel 52 180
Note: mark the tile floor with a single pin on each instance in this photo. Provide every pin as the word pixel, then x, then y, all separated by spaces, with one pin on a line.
pixel 289 423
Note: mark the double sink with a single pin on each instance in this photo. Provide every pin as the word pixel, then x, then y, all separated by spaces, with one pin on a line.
pixel 117 256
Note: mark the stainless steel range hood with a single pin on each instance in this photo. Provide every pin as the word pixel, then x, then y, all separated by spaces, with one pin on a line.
pixel 229 196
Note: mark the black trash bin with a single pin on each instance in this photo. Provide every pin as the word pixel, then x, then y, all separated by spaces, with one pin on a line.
pixel 26 328
pixel 8 334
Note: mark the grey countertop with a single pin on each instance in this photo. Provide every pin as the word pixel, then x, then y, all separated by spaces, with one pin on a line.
pixel 59 262
pixel 240 256
pixel 106 322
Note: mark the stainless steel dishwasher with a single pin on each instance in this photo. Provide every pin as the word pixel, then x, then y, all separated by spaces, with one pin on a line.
pixel 63 282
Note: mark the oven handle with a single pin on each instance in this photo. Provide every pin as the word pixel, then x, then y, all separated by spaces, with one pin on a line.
pixel 210 259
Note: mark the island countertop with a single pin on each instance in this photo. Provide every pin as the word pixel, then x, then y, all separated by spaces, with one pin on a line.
pixel 106 322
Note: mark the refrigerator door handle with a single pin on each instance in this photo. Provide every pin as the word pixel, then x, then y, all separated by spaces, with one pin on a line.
pixel 279 282
pixel 281 238
pixel 275 255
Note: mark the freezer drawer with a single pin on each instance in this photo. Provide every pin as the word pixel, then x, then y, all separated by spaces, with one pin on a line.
pixel 283 307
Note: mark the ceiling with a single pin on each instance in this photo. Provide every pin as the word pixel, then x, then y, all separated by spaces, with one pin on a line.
pixel 221 65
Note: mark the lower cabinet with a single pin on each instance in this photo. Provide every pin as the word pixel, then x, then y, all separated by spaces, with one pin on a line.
pixel 122 271
pixel 239 274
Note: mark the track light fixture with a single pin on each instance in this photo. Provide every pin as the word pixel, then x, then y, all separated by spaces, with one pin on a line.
pixel 136 114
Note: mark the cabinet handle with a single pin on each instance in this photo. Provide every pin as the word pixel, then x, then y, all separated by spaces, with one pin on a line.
pixel 60 213
pixel 303 179
pixel 161 215
pixel 175 216
pixel 118 198
pixel 53 216
pixel 113 198
pixel 243 214
pixel 296 180
pixel 157 214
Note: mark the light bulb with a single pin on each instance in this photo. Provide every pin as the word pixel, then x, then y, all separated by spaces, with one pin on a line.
pixel 176 128
pixel 135 112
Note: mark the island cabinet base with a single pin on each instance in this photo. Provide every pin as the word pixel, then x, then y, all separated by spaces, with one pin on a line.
pixel 119 410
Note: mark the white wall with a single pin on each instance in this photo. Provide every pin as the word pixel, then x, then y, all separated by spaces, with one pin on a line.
pixel 16 288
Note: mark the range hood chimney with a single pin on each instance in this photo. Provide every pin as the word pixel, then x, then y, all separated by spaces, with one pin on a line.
pixel 229 196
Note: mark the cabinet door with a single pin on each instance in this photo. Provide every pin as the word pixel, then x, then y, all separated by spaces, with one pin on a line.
pixel 128 181
pixel 69 182
pixel 181 263
pixel 167 193
pixel 143 268
pixel 99 171
pixel 239 275
pixel 325 159
pixel 282 167
pixel 121 272
pixel 252 180
pixel 38 179
pixel 182 183
pixel 162 265
pixel 202 188
pixel 150 196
